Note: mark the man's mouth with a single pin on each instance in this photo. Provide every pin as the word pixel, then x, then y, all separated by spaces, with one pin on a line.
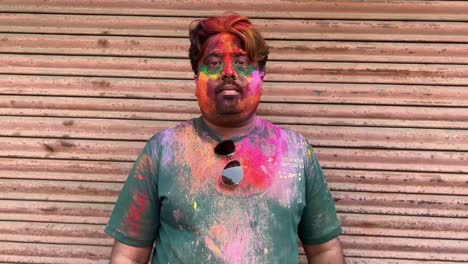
pixel 229 93
pixel 228 90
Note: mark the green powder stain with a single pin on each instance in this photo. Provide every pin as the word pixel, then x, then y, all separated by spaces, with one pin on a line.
pixel 204 69
pixel 247 71
pixel 244 72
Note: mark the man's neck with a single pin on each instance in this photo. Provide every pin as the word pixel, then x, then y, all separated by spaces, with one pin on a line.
pixel 230 132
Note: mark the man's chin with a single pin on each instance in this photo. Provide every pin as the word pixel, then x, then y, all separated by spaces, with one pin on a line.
pixel 228 112
pixel 228 105
pixel 228 109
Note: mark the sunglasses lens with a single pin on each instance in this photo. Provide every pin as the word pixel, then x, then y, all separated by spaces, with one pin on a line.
pixel 225 148
pixel 232 173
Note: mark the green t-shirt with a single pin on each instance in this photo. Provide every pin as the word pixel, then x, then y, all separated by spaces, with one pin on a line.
pixel 174 198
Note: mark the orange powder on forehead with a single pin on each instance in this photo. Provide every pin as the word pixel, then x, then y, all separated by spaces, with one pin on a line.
pixel 227 44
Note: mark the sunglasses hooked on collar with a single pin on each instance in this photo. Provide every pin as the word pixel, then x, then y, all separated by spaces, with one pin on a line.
pixel 232 173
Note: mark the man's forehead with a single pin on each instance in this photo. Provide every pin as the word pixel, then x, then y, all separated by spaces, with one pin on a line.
pixel 223 43
pixel 221 52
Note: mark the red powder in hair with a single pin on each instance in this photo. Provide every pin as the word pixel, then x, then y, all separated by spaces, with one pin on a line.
pixel 233 23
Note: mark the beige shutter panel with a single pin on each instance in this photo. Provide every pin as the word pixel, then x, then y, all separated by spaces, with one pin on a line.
pixel 380 88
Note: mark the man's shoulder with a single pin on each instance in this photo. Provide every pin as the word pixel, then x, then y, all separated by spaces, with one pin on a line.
pixel 171 133
pixel 283 131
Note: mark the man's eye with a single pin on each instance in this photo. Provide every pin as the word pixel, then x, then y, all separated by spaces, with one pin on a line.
pixel 241 63
pixel 214 64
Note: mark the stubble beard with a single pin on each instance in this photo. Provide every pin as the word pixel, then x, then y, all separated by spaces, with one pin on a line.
pixel 229 111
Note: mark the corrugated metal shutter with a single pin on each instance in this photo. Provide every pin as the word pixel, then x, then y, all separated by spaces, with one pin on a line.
pixel 379 87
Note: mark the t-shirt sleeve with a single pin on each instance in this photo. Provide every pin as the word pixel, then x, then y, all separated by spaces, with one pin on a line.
pixel 319 222
pixel 135 218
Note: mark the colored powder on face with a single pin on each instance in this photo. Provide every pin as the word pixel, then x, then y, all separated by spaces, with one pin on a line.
pixel 246 72
pixel 227 45
pixel 228 67
pixel 230 51
pixel 255 84
pixel 227 48
pixel 205 103
pixel 253 93
pixel 215 74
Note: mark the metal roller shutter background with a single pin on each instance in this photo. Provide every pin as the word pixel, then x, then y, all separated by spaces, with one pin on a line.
pixel 380 88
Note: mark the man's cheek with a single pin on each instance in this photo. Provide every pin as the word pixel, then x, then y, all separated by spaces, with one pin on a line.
pixel 255 84
pixel 202 85
pixel 202 93
pixel 205 88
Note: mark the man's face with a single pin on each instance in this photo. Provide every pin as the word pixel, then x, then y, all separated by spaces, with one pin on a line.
pixel 228 82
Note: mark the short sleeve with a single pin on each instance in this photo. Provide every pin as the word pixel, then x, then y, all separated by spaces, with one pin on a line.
pixel 319 222
pixel 135 218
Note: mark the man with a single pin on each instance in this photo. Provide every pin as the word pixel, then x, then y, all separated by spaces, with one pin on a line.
pixel 227 187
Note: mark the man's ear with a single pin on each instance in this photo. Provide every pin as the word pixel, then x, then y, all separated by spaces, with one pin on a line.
pixel 195 76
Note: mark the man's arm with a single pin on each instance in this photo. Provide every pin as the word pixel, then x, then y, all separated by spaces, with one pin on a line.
pixel 327 253
pixel 125 254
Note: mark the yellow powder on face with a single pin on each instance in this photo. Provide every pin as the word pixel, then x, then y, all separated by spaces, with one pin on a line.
pixel 205 103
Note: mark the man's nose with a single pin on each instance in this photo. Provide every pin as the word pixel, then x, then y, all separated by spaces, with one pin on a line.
pixel 229 72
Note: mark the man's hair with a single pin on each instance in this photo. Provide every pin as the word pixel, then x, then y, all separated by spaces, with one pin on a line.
pixel 232 23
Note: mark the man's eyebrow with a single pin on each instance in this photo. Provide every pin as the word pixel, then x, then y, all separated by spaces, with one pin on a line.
pixel 219 53
pixel 213 53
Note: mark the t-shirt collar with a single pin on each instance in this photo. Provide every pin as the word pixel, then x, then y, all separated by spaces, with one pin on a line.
pixel 203 130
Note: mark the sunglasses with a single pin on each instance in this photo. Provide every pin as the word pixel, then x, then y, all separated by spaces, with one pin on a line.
pixel 232 173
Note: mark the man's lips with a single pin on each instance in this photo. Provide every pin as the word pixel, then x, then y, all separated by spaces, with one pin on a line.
pixel 228 90
pixel 229 93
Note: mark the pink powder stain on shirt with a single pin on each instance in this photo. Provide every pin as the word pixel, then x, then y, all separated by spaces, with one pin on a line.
pixel 134 219
pixel 257 172
pixel 262 164
pixel 234 250
pixel 138 177
pixel 260 167
pixel 228 243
